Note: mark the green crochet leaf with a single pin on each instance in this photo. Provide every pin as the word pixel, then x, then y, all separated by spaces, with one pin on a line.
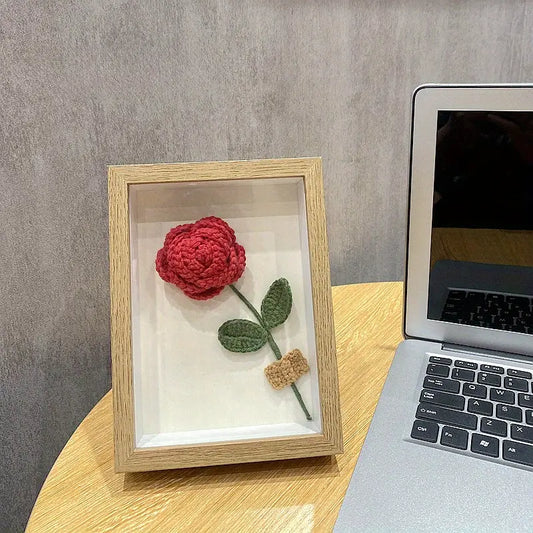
pixel 277 304
pixel 241 336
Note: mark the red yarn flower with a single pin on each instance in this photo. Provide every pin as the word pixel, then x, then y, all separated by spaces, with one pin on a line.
pixel 201 258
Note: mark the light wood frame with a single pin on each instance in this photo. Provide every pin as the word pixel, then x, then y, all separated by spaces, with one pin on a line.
pixel 128 457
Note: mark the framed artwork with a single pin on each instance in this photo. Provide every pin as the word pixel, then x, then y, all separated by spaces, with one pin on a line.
pixel 222 335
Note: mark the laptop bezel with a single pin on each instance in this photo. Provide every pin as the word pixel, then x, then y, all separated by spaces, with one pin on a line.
pixel 427 101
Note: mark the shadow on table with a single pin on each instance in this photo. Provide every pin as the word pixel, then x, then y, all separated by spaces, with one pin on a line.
pixel 230 475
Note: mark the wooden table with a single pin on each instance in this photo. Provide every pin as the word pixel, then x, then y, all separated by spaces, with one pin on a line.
pixel 82 492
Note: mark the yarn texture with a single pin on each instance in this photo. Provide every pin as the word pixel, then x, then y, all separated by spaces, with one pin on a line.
pixel 277 303
pixel 242 336
pixel 201 258
pixel 204 257
pixel 287 370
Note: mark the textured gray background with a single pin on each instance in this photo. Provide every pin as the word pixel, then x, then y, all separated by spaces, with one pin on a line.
pixel 97 83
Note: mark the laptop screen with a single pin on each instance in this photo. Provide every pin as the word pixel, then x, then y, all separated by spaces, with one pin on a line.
pixel 481 263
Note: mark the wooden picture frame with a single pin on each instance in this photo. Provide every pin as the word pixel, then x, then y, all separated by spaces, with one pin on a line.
pixel 179 401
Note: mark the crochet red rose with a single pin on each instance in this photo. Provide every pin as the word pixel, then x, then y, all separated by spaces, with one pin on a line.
pixel 201 258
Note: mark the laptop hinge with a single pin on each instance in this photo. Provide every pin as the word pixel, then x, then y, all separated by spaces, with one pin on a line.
pixel 458 348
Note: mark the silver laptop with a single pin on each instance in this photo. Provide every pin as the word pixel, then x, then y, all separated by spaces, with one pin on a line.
pixel 450 447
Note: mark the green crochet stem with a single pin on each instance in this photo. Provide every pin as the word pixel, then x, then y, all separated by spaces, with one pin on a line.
pixel 273 345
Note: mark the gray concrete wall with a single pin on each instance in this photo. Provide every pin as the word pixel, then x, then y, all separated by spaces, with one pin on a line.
pixel 87 84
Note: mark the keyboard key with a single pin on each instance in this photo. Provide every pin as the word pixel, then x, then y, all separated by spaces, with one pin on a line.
pixel 454 437
pixel 452 305
pixel 465 364
pixel 475 297
pixel 450 316
pixel 440 360
pixel 516 384
pixel 522 433
pixel 438 370
pixel 425 430
pixel 489 379
pixel 480 407
pixel 518 453
pixel 477 391
pixel 500 395
pixel 492 368
pixel 494 427
pixel 529 418
pixel 456 294
pixel 519 373
pixel 485 445
pixel 501 323
pixel 442 398
pixel 445 385
pixel 496 298
pixel 525 400
pixel 462 374
pixel 521 302
pixel 446 416
pixel 508 412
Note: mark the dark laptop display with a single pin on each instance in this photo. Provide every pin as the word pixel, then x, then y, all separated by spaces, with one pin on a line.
pixel 481 267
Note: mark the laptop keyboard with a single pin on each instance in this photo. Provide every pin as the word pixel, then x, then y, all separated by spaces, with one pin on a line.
pixel 483 409
pixel 491 310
